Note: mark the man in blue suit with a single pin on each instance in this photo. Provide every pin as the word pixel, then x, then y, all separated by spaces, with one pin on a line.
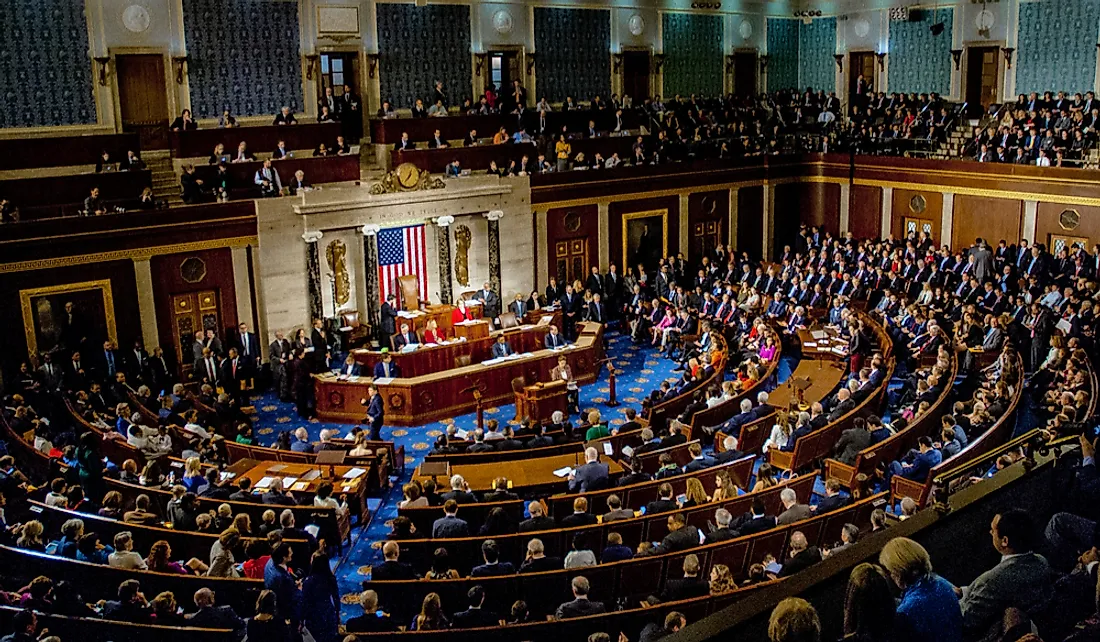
pixel 277 578
pixel 386 367
pixel 926 459
pixel 777 308
pixel 375 412
pixel 501 348
pixel 450 525
pixel 591 476
pixel 350 368
pixel 554 339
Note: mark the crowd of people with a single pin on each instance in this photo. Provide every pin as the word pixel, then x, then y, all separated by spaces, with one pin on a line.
pixel 1047 131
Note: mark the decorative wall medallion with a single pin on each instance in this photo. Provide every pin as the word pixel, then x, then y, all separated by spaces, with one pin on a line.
pixel 1069 219
pixel 193 269
pixel 503 23
pixel 136 18
pixel 745 29
pixel 917 204
pixel 861 27
pixel 463 237
pixel 985 20
pixel 572 221
pixel 637 25
pixel 336 255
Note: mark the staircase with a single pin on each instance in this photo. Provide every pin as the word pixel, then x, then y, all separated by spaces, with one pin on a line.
pixel 956 141
pixel 166 185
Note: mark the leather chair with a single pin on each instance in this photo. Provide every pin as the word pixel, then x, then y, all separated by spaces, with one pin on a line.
pixel 462 360
pixel 508 320
pixel 357 332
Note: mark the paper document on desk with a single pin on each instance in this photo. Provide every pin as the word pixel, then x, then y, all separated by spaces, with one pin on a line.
pixel 819 334
pixel 461 434
pixel 838 350
pixel 410 347
pixel 266 482
pixel 563 472
pixel 807 344
pixel 410 314
pixel 628 452
pixel 354 473
pixel 300 487
pixel 353 378
pixel 288 482
pixel 608 449
pixel 545 320
pixel 489 362
pixel 525 354
pixel 383 381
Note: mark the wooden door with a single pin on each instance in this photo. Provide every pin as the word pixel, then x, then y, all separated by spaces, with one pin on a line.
pixel 744 73
pixel 636 75
pixel 193 311
pixel 915 226
pixel 860 63
pixel 705 236
pixel 571 260
pixel 982 77
pixel 341 68
pixel 143 98
pixel 504 67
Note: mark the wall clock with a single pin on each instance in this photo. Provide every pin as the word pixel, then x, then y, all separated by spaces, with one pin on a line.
pixel 135 18
pixel 503 22
pixel 985 20
pixel 408 175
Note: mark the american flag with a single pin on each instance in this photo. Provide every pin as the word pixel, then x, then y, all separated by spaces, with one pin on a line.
pixel 401 251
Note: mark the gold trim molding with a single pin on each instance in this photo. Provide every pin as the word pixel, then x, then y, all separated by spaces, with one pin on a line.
pixel 138 254
pixel 103 286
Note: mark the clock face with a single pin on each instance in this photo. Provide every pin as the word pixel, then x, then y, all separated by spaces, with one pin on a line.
pixel 408 175
pixel 135 18
pixel 985 19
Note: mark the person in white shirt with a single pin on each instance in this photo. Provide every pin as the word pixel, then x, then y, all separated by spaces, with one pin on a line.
pixel 1043 160
pixel 56 496
pixel 124 555
pixel 192 426
pixel 324 499
pixel 613 162
pixel 781 432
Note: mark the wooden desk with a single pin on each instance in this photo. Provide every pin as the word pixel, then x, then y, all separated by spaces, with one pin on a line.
pixel 355 490
pixel 261 140
pixel 824 375
pixel 415 401
pixel 822 347
pixel 441 314
pixel 387 131
pixel 471 330
pixel 533 475
pixel 63 151
pixel 318 170
pixel 428 360
pixel 539 401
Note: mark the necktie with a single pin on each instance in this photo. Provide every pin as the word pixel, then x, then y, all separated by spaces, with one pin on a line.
pixel 110 364
pixel 210 369
pixel 245 342
pixel 234 367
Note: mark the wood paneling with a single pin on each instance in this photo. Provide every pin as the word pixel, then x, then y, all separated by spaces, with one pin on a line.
pixel 750 220
pixel 565 224
pixel 992 219
pixel 618 209
pixel 903 208
pixel 13 342
pixel 707 212
pixel 168 280
pixel 1046 223
pixel 865 211
pixel 807 204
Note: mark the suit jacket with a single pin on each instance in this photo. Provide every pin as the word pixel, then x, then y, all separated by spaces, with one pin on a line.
pixel 1023 581
pixel 685 588
pixel 803 560
pixel 578 608
pixel 493 570
pixel 537 524
pixel 502 350
pixel 752 525
pixel 659 506
pixel 380 370
pixel 553 341
pixel 832 503
pixel 850 443
pixel 795 513
pixel 390 570
pixel 681 540
pixel 446 527
pixel 471 618
pixel 402 340
pixel 589 477
pixel 389 319
pixel 578 519
pixel 621 513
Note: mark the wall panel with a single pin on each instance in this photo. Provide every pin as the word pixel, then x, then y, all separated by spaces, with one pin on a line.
pixel 574 53
pixel 420 45
pixel 992 219
pixel 693 47
pixel 1070 64
pixel 168 280
pixel 619 209
pixel 906 206
pixel 919 61
pixel 750 220
pixel 1047 223
pixel 865 211
pixel 782 53
pixel 707 211
pixel 572 223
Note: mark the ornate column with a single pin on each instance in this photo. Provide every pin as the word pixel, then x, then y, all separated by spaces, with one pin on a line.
pixel 494 217
pixel 887 223
pixel 845 208
pixel 947 218
pixel 313 273
pixel 147 307
pixel 443 234
pixel 370 273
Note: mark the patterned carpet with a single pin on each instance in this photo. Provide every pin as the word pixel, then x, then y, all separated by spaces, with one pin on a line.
pixel 642 373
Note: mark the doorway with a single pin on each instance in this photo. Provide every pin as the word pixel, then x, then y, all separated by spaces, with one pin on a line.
pixel 982 76
pixel 860 63
pixel 504 69
pixel 571 260
pixel 339 68
pixel 143 98
pixel 705 236
pixel 744 73
pixel 636 75
pixel 193 311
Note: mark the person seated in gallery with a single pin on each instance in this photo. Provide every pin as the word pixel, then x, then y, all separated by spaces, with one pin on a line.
pixel 132 162
pixel 325 115
pixel 243 155
pixel 386 110
pixel 386 368
pixel 437 141
pixel 404 143
pixel 341 148
pixel 268 180
pixel 184 122
pixel 285 117
pixel 299 183
pixel 454 169
pixel 105 163
pixel 404 338
pixel 501 348
pixel 281 151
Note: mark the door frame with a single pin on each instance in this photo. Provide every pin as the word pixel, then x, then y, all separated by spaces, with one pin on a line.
pixel 732 75
pixel 964 67
pixel 846 76
pixel 617 77
pixel 481 81
pixel 174 103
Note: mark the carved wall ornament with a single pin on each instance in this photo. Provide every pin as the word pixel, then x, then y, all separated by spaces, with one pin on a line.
pixel 193 269
pixel 406 177
pixel 918 204
pixel 336 255
pixel 1069 219
pixel 462 257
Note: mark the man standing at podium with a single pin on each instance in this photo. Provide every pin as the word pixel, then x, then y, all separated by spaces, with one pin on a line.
pixel 490 303
pixel 501 348
pixel 375 412
pixel 561 372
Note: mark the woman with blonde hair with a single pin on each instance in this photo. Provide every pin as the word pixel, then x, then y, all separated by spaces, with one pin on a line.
pixel 193 479
pixel 432 333
pixel 929 608
pixel 724 488
pixel 696 496
pixel 794 620
pixel 243 523
pixel 721 580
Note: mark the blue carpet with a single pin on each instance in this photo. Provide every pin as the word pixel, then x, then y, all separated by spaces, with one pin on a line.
pixel 642 372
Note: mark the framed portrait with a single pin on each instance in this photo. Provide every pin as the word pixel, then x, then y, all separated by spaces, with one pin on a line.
pixel 64 318
pixel 645 238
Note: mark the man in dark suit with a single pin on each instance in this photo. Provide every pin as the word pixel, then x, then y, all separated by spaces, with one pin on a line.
pixel 375 412
pixel 391 568
pixel 723 532
pixel 675 436
pixel 248 345
pixel 243 492
pixel 844 404
pixel 802 557
pixel 205 369
pixel 681 535
pixel 631 424
pixel 372 620
pixel 450 525
pixel 538 521
pixel 475 616
pixel 518 307
pixel 832 500
pixel 733 424
pixel 319 340
pixel 233 377
pixel 110 363
pixel 537 560
pixel 729 451
pixel 756 521
pixel 571 304
pixel 923 462
pixel 404 144
pixel 581 605
pixel 460 492
pixel 852 441
pixel 210 616
pixel 553 339
pixel 591 476
pixel 490 303
pixel 405 338
pixel 389 318
pixel 386 367
pixel 492 567
pixel 501 348
pixel 597 311
pixel 663 503
pixel 698 461
pixel 691 585
pixel 580 516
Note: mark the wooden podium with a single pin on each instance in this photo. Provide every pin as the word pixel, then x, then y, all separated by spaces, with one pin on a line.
pixel 472 330
pixel 539 401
